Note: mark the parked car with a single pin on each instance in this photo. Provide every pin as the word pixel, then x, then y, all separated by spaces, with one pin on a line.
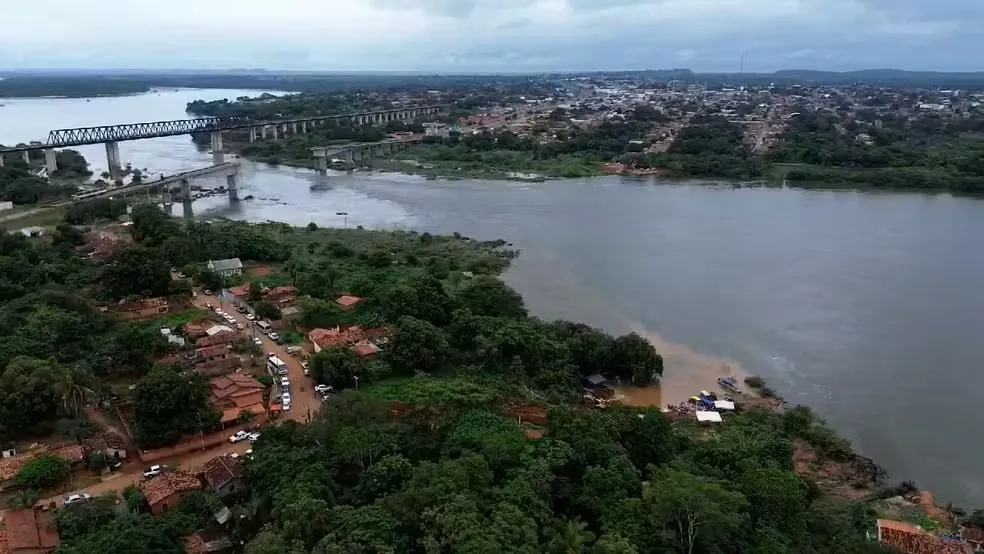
pixel 239 436
pixel 249 453
pixel 240 326
pixel 284 383
pixel 250 317
pixel 285 401
pixel 306 367
pixel 321 389
pixel 206 291
pixel 154 471
pixel 220 313
pixel 77 498
pixel 210 306
pixel 253 437
pixel 257 341
pixel 274 337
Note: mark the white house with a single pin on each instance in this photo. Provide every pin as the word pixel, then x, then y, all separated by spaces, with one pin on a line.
pixel 226 268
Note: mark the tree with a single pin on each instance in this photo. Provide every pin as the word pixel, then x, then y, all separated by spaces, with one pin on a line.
pixel 43 471
pixel 266 310
pixel 169 404
pixel 255 293
pixel 338 367
pixel 72 385
pixel 417 346
pixel 634 358
pixel 136 271
pixel 127 534
pixel 486 295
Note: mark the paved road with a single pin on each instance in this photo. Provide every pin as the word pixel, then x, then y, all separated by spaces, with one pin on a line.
pixel 304 403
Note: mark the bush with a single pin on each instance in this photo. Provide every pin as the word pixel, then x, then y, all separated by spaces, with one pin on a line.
pixel 43 471
pixel 755 381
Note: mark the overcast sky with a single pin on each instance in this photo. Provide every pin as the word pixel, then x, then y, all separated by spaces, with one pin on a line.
pixel 493 35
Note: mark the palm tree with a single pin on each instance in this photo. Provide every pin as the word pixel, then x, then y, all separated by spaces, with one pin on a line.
pixel 23 499
pixel 72 386
pixel 571 538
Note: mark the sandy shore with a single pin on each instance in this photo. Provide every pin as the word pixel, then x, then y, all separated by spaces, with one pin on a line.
pixel 685 372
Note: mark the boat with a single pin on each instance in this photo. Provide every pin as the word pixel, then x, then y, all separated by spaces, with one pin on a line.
pixel 729 383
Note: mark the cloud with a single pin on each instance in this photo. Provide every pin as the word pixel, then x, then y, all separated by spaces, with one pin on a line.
pixel 495 35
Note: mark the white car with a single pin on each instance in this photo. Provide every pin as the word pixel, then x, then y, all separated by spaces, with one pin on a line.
pixel 285 401
pixel 321 389
pixel 240 326
pixel 239 436
pixel 154 471
pixel 253 437
pixel 250 317
pixel 248 453
pixel 257 341
pixel 284 383
pixel 220 313
pixel 77 498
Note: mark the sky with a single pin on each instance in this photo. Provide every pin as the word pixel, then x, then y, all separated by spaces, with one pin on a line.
pixel 493 35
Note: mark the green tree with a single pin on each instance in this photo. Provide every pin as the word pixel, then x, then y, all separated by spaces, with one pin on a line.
pixel 417 346
pixel 43 471
pixel 486 295
pixel 138 271
pixel 266 310
pixel 168 404
pixel 338 367
pixel 634 358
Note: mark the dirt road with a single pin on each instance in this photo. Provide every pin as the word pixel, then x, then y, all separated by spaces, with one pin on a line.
pixel 304 402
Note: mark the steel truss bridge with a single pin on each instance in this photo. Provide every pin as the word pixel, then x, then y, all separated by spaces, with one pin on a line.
pixel 63 138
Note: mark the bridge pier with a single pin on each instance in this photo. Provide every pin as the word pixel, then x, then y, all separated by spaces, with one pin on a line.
pixel 252 134
pixel 275 137
pixel 186 199
pixel 233 188
pixel 321 164
pixel 285 130
pixel 263 133
pixel 50 161
pixel 304 127
pixel 293 128
pixel 218 154
pixel 113 160
pixel 27 157
pixel 1 160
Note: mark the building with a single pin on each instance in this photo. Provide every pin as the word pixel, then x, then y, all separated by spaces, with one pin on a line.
pixel 204 542
pixel 281 295
pixel 107 443
pixel 365 342
pixel 31 232
pixel 234 393
pixel 226 268
pixel 223 474
pixel 223 337
pixel 912 539
pixel 165 490
pixel 140 309
pixel 347 302
pixel 29 532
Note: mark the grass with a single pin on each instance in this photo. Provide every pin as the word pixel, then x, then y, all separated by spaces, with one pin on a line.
pixel 292 337
pixel 174 319
pixel 32 217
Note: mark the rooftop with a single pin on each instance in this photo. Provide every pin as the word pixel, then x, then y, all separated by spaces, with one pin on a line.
pixel 29 530
pixel 912 539
pixel 220 470
pixel 348 301
pixel 225 265
pixel 166 484
pixel 222 337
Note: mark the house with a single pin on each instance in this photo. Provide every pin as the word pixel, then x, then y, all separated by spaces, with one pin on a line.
pixel 204 542
pixel 234 393
pixel 223 337
pixel 29 532
pixel 223 474
pixel 212 353
pixel 165 490
pixel 140 309
pixel 347 302
pixel 107 443
pixel 281 295
pixel 196 330
pixel 226 268
pixel 240 292
pixel 365 342
pixel 912 539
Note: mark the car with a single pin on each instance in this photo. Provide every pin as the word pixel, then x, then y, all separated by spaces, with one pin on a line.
pixel 253 437
pixel 257 341
pixel 154 471
pixel 321 389
pixel 220 313
pixel 240 326
pixel 239 436
pixel 77 498
pixel 285 401
pixel 271 354
pixel 307 370
pixel 249 453
pixel 250 317
pixel 210 306
pixel 284 383
pixel 206 291
pixel 274 337
pixel 181 275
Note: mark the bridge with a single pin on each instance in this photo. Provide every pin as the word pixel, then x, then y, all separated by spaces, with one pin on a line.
pixel 353 152
pixel 112 135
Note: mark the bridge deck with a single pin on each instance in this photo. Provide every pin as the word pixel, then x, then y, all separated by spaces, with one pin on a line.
pixel 227 168
pixel 62 138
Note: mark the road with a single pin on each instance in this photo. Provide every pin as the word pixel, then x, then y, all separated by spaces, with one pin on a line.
pixel 304 403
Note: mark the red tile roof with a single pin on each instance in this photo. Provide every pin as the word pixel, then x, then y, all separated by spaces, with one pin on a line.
pixel 220 470
pixel 166 484
pixel 212 351
pixel 30 530
pixel 910 539
pixel 234 384
pixel 348 301
pixel 241 290
pixel 365 349
pixel 222 337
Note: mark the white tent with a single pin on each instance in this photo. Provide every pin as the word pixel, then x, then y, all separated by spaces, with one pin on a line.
pixel 724 405
pixel 713 417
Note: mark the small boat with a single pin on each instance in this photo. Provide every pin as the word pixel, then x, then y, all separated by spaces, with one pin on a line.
pixel 729 383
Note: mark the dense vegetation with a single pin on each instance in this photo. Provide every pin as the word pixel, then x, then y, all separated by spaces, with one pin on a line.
pixel 453 474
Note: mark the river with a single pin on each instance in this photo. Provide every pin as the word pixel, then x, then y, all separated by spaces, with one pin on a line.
pixel 864 306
